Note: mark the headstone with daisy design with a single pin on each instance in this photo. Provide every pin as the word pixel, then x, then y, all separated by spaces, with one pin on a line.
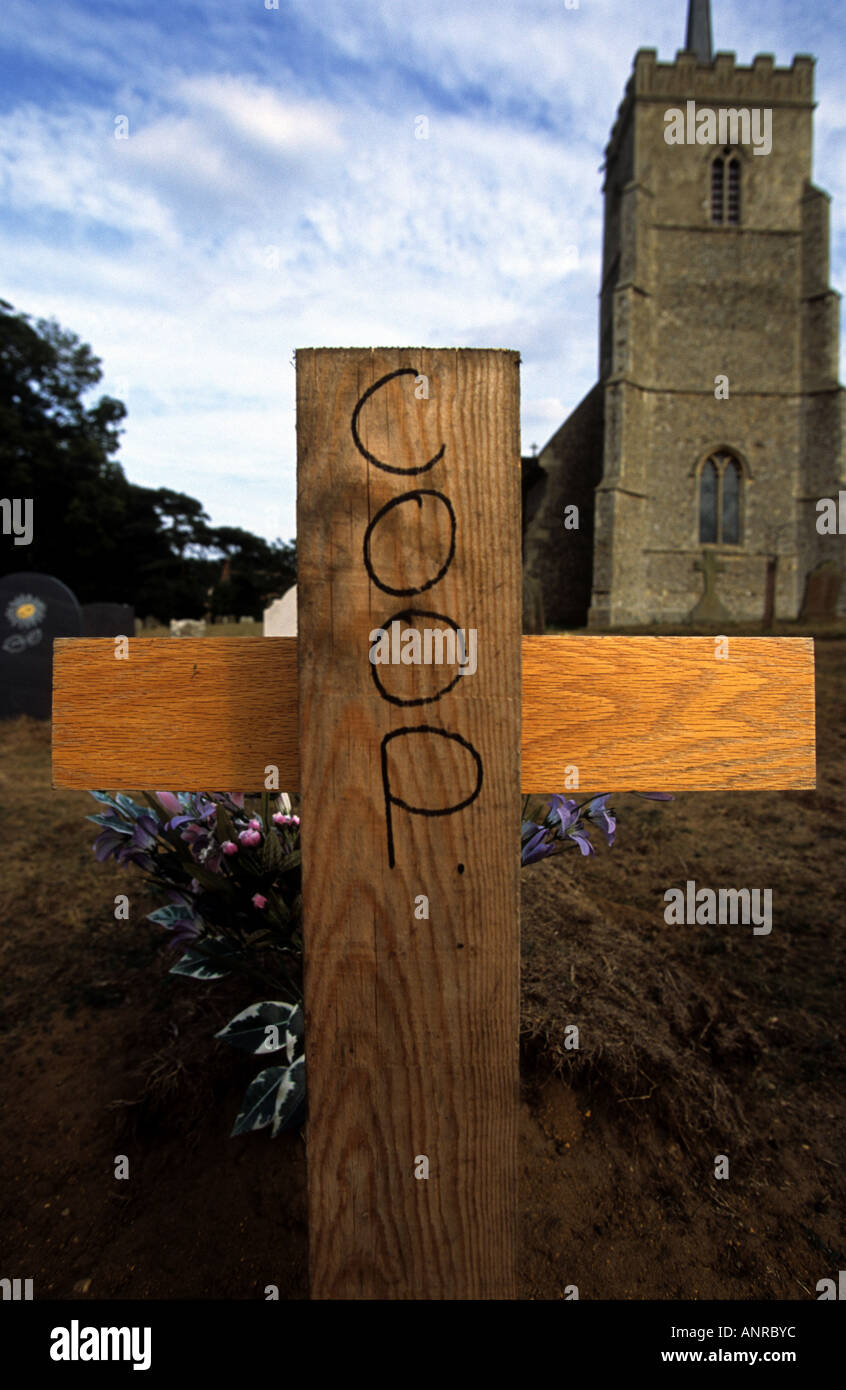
pixel 34 610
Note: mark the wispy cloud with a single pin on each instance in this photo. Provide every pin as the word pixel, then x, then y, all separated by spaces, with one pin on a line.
pixel 272 195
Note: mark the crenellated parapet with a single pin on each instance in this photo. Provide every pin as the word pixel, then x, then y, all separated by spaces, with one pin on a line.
pixel 723 82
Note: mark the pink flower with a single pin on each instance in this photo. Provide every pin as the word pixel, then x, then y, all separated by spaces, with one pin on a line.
pixel 229 847
pixel 259 901
pixel 169 803
pixel 295 820
pixel 255 825
pixel 250 837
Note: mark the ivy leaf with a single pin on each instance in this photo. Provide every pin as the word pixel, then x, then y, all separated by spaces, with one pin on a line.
pixel 248 1029
pixel 206 962
pixel 275 1097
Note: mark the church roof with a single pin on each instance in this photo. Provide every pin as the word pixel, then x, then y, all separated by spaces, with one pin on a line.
pixel 698 39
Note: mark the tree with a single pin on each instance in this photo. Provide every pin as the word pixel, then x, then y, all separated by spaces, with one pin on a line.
pixel 105 537
pixel 254 573
pixel 57 451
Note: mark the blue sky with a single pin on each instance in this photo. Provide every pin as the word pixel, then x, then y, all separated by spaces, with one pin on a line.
pixel 272 195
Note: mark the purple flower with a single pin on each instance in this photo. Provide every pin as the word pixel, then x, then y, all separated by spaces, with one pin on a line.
pixel 145 833
pixel 106 843
pixel 582 841
pixel 564 811
pixel 194 833
pixel 597 813
pixel 536 843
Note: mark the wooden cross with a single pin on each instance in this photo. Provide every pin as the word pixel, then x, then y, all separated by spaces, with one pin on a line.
pixel 410 776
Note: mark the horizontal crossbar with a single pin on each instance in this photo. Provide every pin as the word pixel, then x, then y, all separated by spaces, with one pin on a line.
pixel 630 713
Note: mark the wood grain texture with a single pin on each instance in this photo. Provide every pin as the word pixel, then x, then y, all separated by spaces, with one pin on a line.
pixel 667 714
pixel 188 714
pixel 411 1023
pixel 641 713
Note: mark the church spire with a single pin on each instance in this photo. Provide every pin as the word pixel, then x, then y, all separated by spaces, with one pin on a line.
pixel 698 39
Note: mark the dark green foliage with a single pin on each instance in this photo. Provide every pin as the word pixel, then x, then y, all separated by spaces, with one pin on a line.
pixel 103 536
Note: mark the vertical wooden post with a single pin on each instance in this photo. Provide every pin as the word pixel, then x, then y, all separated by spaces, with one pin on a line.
pixel 409 518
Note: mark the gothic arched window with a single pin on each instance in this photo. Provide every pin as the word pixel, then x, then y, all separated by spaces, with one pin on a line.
pixel 725 190
pixel 719 500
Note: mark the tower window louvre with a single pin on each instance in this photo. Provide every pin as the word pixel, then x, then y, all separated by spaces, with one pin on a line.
pixel 717 182
pixel 734 192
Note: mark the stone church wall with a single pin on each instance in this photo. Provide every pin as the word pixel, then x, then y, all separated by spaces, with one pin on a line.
pixel 561 559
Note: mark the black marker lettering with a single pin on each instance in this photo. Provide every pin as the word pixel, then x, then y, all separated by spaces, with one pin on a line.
pixel 371 458
pixel 392 800
pixel 383 511
pixel 423 699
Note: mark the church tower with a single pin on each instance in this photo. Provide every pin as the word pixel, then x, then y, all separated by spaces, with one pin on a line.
pixel 717 423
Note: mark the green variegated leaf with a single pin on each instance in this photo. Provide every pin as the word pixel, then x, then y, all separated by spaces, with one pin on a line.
pixel 166 916
pixel 249 1029
pixel 276 1097
pixel 104 798
pixel 111 822
pixel 290 1098
pixel 205 963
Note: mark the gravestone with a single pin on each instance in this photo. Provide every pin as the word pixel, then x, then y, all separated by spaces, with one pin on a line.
pixel 34 608
pixel 822 590
pixel 709 609
pixel 280 619
pixel 187 627
pixel 108 620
